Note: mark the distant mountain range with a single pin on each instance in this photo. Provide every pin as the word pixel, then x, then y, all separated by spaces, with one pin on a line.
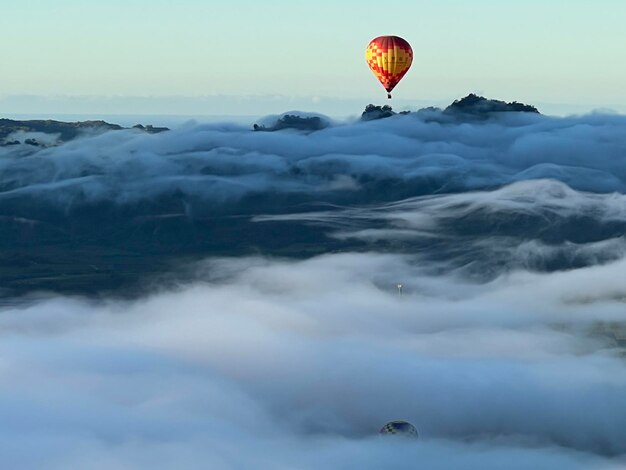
pixel 13 132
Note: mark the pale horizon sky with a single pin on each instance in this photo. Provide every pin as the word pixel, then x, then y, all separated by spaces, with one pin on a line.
pixel 555 53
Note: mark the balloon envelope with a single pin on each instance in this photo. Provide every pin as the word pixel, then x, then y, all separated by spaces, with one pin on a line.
pixel 402 428
pixel 389 58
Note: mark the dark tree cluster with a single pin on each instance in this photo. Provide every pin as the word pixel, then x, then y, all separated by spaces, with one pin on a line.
pixel 291 121
pixel 476 105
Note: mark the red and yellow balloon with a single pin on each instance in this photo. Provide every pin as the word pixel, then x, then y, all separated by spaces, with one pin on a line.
pixel 390 58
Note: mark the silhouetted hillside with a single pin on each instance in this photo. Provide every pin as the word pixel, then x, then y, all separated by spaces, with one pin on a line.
pixel 64 131
pixel 479 105
pixel 472 106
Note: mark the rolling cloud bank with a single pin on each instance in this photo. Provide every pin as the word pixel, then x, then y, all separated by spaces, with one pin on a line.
pixel 213 296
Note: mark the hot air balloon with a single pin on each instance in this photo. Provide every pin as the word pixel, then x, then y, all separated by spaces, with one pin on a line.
pixel 402 428
pixel 389 57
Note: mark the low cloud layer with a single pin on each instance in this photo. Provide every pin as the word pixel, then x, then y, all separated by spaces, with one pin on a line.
pixel 359 163
pixel 194 191
pixel 263 363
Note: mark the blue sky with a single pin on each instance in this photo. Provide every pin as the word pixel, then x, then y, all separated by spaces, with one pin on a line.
pixel 559 52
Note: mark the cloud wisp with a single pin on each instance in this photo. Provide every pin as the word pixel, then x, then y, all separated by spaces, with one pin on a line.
pixel 535 224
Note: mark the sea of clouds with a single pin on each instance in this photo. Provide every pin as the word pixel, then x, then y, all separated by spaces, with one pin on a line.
pixel 504 348
pixel 362 162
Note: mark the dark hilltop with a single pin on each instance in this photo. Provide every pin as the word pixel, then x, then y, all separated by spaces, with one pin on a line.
pixel 292 121
pixel 10 130
pixel 471 107
pixel 478 105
